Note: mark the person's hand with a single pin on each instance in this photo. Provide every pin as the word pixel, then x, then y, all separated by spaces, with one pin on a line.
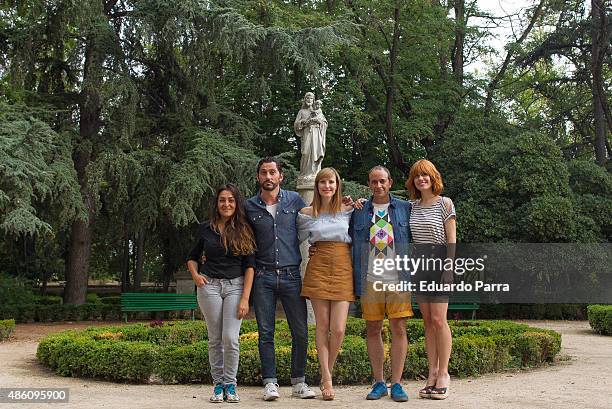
pixel 243 308
pixel 312 250
pixel 200 280
pixel 348 201
pixel 359 203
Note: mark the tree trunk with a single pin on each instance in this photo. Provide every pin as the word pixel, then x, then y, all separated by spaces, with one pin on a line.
pixel 459 41
pixel 90 105
pixel 388 80
pixel 597 59
pixel 140 239
pixel 79 247
pixel 394 150
pixel 125 265
pixel 77 267
pixel 444 118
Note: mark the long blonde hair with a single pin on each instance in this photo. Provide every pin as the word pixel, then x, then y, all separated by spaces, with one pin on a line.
pixel 336 202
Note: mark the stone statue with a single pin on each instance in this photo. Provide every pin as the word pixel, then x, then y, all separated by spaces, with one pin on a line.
pixel 311 126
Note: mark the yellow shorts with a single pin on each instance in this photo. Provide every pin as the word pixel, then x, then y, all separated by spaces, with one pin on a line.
pixel 375 304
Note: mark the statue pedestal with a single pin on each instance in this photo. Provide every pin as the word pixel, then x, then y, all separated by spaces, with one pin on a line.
pixel 305 188
pixel 184 282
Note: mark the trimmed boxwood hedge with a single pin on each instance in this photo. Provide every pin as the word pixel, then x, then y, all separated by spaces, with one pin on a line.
pixel 600 318
pixel 51 309
pixel 59 312
pixel 529 311
pixel 177 352
pixel 6 328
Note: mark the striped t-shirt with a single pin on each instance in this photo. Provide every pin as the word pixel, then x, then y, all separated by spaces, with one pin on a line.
pixel 427 222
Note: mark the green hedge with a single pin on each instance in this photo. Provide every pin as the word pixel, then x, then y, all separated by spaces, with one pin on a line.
pixel 177 352
pixel 6 328
pixel 60 312
pixel 531 311
pixel 600 318
pixel 50 308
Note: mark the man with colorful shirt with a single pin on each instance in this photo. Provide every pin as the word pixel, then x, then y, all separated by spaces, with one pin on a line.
pixel 381 231
pixel 272 214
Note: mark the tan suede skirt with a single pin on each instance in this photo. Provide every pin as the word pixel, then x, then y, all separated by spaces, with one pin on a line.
pixel 329 274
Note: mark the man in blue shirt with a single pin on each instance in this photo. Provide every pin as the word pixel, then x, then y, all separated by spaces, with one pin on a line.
pixel 380 231
pixel 273 213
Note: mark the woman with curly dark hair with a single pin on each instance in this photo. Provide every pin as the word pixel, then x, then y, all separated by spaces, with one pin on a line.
pixel 224 284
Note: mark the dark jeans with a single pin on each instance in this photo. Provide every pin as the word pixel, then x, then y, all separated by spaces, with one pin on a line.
pixel 268 286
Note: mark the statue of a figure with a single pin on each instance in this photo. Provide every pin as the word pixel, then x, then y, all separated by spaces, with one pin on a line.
pixel 310 125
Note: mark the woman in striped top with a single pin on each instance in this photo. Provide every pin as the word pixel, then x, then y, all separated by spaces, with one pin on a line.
pixel 432 221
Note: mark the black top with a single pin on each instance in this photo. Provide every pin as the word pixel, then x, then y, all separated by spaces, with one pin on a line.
pixel 219 263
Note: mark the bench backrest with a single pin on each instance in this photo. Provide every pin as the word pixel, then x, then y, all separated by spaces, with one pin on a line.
pixel 158 301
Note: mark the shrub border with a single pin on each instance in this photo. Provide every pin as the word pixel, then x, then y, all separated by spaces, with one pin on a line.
pixel 6 328
pixel 600 318
pixel 178 352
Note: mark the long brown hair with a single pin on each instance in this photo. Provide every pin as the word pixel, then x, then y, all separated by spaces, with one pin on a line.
pixel 336 202
pixel 237 234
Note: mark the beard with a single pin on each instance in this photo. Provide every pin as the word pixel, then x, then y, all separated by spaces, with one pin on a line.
pixel 269 186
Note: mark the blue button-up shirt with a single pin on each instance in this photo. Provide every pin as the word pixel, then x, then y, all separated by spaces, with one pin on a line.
pixel 359 229
pixel 277 241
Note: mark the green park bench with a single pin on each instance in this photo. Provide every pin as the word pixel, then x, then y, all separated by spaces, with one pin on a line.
pixel 137 302
pixel 458 302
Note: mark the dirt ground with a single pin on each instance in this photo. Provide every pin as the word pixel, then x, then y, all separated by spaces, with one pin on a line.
pixel 579 379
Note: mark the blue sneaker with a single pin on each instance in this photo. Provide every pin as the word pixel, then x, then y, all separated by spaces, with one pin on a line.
pixel 230 394
pixel 398 394
pixel 379 389
pixel 218 394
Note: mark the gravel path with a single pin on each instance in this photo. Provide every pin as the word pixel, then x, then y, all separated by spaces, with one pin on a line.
pixel 579 379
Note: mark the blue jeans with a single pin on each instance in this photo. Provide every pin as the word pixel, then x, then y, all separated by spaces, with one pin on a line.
pixel 269 286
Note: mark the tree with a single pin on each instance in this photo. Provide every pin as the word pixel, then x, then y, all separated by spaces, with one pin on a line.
pixel 565 96
pixel 140 95
pixel 600 44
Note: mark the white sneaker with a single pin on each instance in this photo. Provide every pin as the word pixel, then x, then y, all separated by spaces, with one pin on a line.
pixel 302 390
pixel 271 391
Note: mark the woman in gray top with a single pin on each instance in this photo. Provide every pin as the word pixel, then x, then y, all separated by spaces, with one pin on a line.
pixel 328 280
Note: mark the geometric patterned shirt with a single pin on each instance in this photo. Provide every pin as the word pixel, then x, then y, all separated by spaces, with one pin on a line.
pixel 382 244
pixel 381 232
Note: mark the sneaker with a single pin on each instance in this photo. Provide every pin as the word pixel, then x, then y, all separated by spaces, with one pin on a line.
pixel 230 394
pixel 218 394
pixel 398 394
pixel 302 390
pixel 379 389
pixel 271 391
